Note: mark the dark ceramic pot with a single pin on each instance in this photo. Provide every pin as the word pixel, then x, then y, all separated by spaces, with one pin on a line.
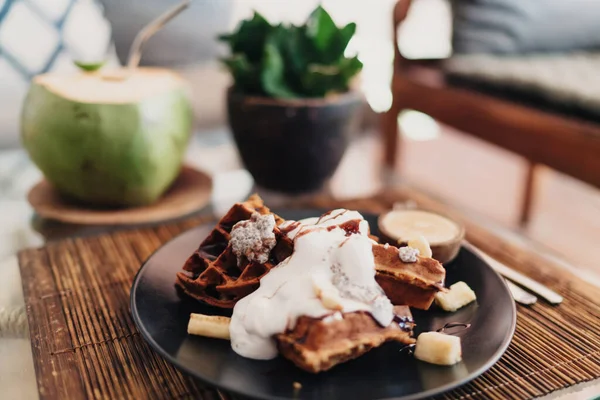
pixel 293 146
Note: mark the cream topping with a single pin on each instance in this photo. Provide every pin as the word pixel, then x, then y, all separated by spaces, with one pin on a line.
pixel 335 217
pixel 329 271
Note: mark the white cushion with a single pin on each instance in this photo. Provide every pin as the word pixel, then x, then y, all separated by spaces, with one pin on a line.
pixel 523 26
pixel 570 80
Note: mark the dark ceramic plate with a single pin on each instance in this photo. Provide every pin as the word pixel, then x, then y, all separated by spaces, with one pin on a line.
pixel 162 315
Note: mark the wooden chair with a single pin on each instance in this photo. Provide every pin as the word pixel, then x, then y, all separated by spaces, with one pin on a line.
pixel 565 144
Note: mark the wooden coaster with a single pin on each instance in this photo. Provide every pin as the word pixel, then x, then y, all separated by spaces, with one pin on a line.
pixel 190 192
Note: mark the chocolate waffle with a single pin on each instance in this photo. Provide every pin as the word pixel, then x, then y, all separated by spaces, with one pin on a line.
pixel 214 275
pixel 318 344
pixel 413 284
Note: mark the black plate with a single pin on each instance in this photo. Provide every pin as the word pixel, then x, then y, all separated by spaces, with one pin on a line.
pixel 162 315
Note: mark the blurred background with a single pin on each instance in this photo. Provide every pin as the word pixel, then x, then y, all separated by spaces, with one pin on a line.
pixel 42 35
pixel 504 45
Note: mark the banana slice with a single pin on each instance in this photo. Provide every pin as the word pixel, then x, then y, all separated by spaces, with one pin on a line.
pixel 420 243
pixel 213 326
pixel 459 295
pixel 438 348
pixel 328 294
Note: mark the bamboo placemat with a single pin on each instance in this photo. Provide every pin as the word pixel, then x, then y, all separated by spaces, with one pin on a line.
pixel 85 344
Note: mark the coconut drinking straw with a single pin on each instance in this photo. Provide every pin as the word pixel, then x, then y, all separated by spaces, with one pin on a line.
pixel 135 52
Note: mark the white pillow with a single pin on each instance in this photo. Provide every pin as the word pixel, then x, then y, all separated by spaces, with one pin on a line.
pixel 525 26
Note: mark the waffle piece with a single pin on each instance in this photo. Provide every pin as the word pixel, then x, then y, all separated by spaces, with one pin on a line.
pixel 213 275
pixel 413 284
pixel 318 344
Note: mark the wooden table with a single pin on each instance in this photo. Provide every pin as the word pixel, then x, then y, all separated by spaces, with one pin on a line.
pixel 216 155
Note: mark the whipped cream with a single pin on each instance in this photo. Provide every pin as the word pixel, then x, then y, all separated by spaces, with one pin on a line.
pixel 254 238
pixel 338 217
pixel 330 272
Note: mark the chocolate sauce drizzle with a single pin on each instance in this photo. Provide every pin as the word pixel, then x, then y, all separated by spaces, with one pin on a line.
pixel 408 348
pixel 405 323
pixel 328 213
pixel 450 326
pixel 351 227
pixel 287 229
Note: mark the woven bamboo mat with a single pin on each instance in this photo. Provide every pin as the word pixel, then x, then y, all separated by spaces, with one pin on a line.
pixel 85 344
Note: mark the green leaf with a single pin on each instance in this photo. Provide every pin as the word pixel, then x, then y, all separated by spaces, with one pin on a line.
pixel 273 73
pixel 350 67
pixel 90 67
pixel 246 76
pixel 291 44
pixel 344 36
pixel 319 80
pixel 225 37
pixel 296 48
pixel 250 37
pixel 321 28
pixel 328 70
pixel 288 61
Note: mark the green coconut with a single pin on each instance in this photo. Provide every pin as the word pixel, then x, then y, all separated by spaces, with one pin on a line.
pixel 111 140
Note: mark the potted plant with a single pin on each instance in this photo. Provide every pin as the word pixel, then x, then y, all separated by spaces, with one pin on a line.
pixel 290 108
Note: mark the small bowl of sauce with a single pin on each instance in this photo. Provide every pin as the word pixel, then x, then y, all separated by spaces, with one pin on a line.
pixel 444 235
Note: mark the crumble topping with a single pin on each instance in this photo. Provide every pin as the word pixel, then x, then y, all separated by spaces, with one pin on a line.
pixel 408 254
pixel 254 238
